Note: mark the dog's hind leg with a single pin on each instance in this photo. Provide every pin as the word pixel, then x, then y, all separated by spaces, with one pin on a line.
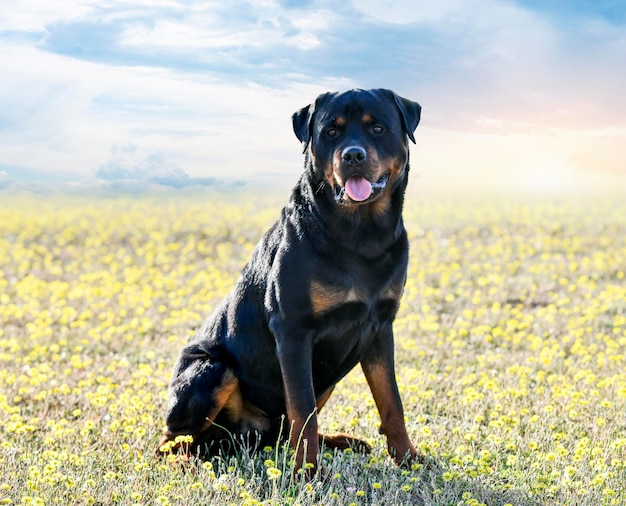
pixel 201 386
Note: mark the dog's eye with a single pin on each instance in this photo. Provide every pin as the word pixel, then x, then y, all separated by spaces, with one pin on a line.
pixel 377 129
pixel 331 132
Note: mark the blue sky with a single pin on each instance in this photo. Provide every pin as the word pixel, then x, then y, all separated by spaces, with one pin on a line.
pixel 526 94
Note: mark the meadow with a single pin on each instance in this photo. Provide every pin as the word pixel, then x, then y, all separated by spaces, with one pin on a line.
pixel 510 352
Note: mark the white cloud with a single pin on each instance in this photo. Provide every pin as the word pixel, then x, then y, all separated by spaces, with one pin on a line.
pixel 129 162
pixel 130 165
pixel 6 181
pixel 35 15
pixel 265 27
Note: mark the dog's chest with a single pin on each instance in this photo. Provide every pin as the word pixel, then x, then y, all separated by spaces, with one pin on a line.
pixel 346 317
pixel 326 297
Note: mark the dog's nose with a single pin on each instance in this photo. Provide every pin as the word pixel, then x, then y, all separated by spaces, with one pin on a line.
pixel 353 155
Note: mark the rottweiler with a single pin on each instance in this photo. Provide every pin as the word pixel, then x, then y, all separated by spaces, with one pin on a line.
pixel 319 295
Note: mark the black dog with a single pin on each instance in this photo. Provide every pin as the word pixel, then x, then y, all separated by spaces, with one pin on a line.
pixel 319 295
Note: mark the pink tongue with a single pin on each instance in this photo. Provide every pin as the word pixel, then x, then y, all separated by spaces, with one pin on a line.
pixel 358 188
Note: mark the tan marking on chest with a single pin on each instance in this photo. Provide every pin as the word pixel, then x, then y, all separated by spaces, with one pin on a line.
pixel 326 297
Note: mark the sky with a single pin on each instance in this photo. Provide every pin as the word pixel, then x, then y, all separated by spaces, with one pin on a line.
pixel 522 95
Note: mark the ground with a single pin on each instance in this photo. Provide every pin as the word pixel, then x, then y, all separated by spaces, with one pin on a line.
pixel 510 351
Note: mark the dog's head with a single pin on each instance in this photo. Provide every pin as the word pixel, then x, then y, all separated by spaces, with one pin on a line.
pixel 358 141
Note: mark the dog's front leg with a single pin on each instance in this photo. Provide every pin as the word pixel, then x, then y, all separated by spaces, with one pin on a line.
pixel 378 366
pixel 296 367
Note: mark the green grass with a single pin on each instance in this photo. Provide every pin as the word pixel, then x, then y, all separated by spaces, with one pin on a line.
pixel 510 350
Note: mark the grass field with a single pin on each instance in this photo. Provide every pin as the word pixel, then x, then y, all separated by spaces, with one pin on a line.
pixel 510 346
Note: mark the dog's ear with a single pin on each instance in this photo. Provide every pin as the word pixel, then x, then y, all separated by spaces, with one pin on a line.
pixel 410 112
pixel 302 124
pixel 303 119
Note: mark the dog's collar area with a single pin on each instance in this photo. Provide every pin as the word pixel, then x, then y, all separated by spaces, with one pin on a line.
pixel 378 187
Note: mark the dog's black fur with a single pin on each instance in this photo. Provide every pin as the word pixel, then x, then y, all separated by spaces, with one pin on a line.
pixel 318 296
